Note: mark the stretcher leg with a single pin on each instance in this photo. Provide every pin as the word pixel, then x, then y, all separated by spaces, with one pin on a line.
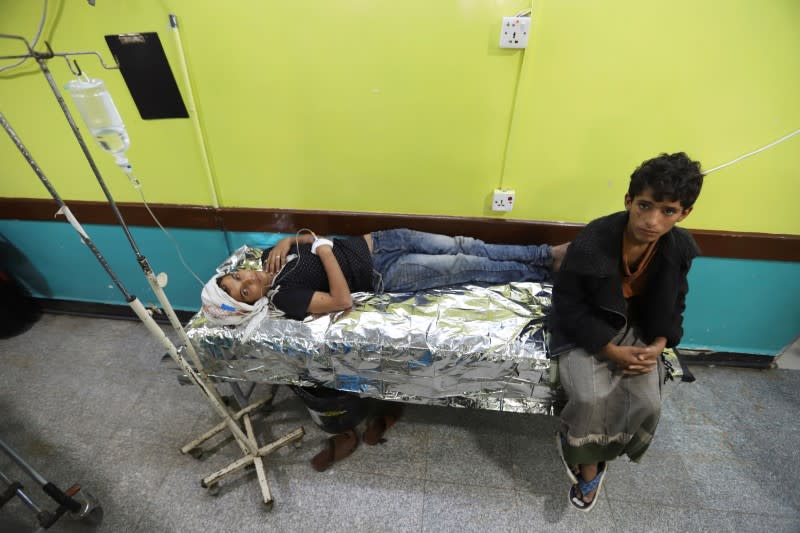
pixel 196 443
pixel 213 479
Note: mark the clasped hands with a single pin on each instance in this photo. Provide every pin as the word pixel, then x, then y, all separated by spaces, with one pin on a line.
pixel 635 360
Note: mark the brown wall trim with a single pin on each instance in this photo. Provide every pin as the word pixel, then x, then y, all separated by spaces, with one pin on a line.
pixel 737 245
pixel 174 216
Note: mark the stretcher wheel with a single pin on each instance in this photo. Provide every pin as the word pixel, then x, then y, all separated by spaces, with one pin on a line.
pixel 269 505
pixel 213 490
pixel 197 453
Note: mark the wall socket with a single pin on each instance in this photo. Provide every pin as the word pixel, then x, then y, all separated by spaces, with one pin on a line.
pixel 514 32
pixel 503 200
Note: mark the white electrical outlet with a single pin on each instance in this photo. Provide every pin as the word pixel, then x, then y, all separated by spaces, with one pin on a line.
pixel 502 200
pixel 514 32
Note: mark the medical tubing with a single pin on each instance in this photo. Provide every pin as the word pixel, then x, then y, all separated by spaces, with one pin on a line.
pixel 63 207
pixel 138 187
pixel 144 316
pixel 247 446
pixel 141 259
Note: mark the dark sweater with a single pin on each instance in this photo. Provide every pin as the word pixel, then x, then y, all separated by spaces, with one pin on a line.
pixel 296 284
pixel 588 306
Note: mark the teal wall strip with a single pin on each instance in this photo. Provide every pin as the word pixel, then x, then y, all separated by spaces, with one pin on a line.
pixel 49 258
pixel 740 306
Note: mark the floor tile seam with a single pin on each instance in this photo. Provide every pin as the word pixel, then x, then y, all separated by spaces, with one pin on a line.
pixel 702 423
pixel 681 458
pixel 612 510
pixel 384 475
pixel 426 479
pixel 426 462
pixel 616 528
pixel 422 510
pixel 141 393
pixel 661 504
pixel 468 484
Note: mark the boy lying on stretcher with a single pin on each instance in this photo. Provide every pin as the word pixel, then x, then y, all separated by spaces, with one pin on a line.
pixel 305 275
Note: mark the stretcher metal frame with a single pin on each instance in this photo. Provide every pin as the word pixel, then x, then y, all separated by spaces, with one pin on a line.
pixel 245 438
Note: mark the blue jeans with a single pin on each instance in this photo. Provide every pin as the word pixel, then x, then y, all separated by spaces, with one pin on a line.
pixel 409 260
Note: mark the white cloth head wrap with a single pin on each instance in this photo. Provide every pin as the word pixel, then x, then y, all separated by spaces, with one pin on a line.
pixel 220 308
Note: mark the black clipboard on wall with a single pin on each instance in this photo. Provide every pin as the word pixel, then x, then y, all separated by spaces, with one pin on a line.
pixel 147 73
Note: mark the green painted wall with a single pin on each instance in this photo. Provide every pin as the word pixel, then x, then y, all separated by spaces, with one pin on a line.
pixel 407 106
pixel 410 107
pixel 607 84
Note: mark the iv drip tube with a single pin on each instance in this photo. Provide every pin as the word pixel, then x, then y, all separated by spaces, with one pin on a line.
pixel 141 259
pixel 246 441
pixel 197 376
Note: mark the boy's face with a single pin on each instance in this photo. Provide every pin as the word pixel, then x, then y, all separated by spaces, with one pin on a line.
pixel 246 286
pixel 649 219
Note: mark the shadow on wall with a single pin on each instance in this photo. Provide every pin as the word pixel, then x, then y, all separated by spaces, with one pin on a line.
pixel 18 311
pixel 17 265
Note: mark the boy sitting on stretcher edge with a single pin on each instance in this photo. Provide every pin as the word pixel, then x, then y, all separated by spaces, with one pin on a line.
pixel 309 275
pixel 618 301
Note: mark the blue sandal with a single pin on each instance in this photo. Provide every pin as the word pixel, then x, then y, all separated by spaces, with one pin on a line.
pixel 582 487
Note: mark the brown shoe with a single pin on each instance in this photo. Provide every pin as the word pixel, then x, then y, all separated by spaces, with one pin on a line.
pixel 336 448
pixel 380 425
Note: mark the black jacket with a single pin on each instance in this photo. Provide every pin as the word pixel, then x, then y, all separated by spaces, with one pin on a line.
pixel 588 306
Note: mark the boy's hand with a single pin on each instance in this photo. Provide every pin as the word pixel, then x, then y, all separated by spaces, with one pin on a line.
pixel 277 256
pixel 633 360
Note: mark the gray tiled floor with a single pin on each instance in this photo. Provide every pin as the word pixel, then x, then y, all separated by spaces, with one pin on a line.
pixel 89 401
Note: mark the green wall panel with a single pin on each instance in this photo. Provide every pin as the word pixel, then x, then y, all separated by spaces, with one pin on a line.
pixel 412 108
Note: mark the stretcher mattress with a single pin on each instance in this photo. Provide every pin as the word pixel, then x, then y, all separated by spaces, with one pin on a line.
pixel 468 346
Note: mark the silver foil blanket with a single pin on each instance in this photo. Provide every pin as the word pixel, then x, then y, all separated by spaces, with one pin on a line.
pixel 468 346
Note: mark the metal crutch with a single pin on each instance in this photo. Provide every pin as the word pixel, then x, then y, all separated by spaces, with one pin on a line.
pixel 86 507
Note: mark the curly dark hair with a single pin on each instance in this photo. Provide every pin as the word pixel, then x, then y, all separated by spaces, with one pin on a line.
pixel 672 176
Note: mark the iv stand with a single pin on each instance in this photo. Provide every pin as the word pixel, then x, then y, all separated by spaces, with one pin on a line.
pixel 247 442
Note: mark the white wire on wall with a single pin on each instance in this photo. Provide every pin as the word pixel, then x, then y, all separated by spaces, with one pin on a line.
pixel 754 152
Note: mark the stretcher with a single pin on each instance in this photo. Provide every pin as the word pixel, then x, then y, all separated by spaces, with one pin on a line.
pixel 473 346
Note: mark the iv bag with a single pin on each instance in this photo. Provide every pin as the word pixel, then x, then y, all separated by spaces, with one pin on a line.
pixel 95 105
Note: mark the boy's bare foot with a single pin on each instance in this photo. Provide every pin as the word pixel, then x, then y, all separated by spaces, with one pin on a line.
pixel 559 251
